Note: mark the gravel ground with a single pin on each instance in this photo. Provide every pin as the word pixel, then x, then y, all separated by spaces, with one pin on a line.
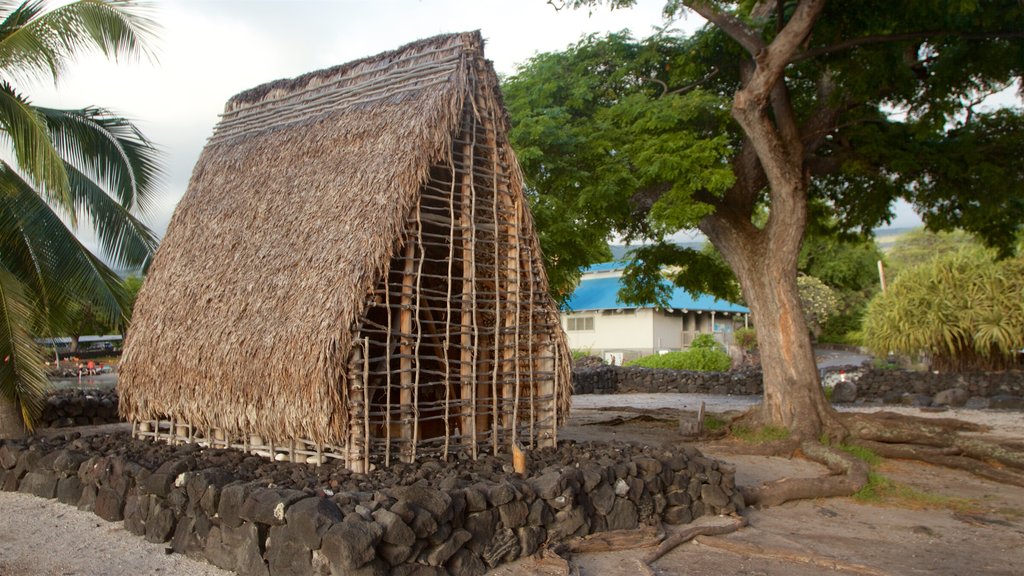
pixel 41 537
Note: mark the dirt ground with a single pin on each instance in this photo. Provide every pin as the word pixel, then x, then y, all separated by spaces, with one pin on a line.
pixel 931 521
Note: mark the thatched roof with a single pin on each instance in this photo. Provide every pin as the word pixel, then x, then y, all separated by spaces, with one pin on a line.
pixel 291 215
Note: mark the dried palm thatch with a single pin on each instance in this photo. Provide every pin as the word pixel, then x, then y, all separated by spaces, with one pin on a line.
pixel 353 268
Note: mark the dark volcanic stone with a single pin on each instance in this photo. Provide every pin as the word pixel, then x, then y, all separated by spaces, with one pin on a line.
pixel 514 513
pixel 396 531
pixel 231 499
pixel 714 496
pixel 394 554
pixel 500 494
pixel 440 554
pixel 623 515
pixel 603 498
pixel 237 548
pixel 547 485
pixel 1006 402
pixel 136 511
pixel 69 490
pixel 465 563
pixel 530 538
pixel 437 503
pixel 503 547
pixel 311 518
pixel 109 504
pixel 678 515
pixel 540 514
pixel 42 484
pixel 481 526
pixel 349 545
pixel 286 554
pixel 844 392
pixel 160 524
pixel 566 523
pixel 269 505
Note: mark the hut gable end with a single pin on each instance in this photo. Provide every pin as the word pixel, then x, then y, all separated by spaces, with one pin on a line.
pixel 353 273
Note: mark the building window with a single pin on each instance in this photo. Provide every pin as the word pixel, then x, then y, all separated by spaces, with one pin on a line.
pixel 581 323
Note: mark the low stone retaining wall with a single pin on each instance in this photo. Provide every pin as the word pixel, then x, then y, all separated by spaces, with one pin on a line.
pixel 998 390
pixel 79 407
pixel 631 379
pixel 253 516
pixel 852 384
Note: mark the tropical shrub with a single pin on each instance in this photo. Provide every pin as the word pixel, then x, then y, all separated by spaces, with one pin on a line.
pixel 706 341
pixel 696 359
pixel 746 338
pixel 964 311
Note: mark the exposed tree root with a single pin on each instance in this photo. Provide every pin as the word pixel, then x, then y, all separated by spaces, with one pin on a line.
pixel 748 549
pixel 849 475
pixel 948 457
pixel 690 533
pixel 612 540
pixel 938 441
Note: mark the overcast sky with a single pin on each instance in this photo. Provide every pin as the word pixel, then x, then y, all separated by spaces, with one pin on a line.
pixel 209 50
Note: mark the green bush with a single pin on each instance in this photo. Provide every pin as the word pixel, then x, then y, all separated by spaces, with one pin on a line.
pixel 705 342
pixel 697 359
pixel 963 310
pixel 746 338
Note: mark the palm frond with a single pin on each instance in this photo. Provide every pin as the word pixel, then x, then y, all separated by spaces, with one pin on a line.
pixel 49 259
pixel 34 41
pixel 124 240
pixel 109 150
pixel 27 132
pixel 22 380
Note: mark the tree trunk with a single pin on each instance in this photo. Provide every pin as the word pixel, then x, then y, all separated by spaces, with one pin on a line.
pixel 765 263
pixel 11 424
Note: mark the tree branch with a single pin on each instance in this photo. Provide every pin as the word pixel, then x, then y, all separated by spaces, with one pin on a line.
pixel 737 30
pixel 884 38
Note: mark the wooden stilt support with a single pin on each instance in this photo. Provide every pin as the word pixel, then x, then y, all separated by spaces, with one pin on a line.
pixel 406 369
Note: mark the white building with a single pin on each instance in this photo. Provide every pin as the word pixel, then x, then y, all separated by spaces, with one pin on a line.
pixel 596 321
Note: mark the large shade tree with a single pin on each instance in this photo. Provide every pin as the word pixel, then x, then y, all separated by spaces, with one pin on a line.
pixel 63 169
pixel 796 109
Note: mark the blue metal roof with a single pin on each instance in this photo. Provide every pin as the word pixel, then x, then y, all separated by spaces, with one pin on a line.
pixel 603 294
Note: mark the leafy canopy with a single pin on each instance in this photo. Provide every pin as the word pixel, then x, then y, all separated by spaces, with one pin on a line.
pixel 633 139
pixel 67 168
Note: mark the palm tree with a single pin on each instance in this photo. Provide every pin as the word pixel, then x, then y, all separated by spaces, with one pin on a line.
pixel 63 168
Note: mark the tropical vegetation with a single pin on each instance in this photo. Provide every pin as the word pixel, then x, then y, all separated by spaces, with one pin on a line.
pixel 769 119
pixel 960 311
pixel 65 169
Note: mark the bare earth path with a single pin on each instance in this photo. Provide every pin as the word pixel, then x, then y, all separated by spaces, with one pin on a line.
pixel 951 523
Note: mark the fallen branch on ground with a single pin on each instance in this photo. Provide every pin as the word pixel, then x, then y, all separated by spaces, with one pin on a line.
pixel 687 534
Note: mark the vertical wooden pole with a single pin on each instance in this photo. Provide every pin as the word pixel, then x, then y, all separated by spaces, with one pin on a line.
pixel 448 314
pixel 421 256
pixel 366 405
pixel 467 325
pixel 387 369
pixel 353 457
pixel 405 372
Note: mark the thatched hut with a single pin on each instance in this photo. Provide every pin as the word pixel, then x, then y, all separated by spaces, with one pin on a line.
pixel 353 273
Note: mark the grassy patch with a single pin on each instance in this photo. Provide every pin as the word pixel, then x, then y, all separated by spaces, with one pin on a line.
pixel 884 491
pixel 760 435
pixel 713 423
pixel 828 393
pixel 861 453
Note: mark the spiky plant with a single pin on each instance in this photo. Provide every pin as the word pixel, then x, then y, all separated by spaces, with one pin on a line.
pixel 66 168
pixel 964 310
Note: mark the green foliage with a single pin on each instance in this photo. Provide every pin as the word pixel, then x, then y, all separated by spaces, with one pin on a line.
pixel 819 302
pixel 697 359
pixel 746 338
pixel 883 490
pixel 964 311
pixel 579 354
pixel 705 341
pixel 63 167
pixel 861 453
pixel 712 422
pixel 921 246
pixel 761 435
